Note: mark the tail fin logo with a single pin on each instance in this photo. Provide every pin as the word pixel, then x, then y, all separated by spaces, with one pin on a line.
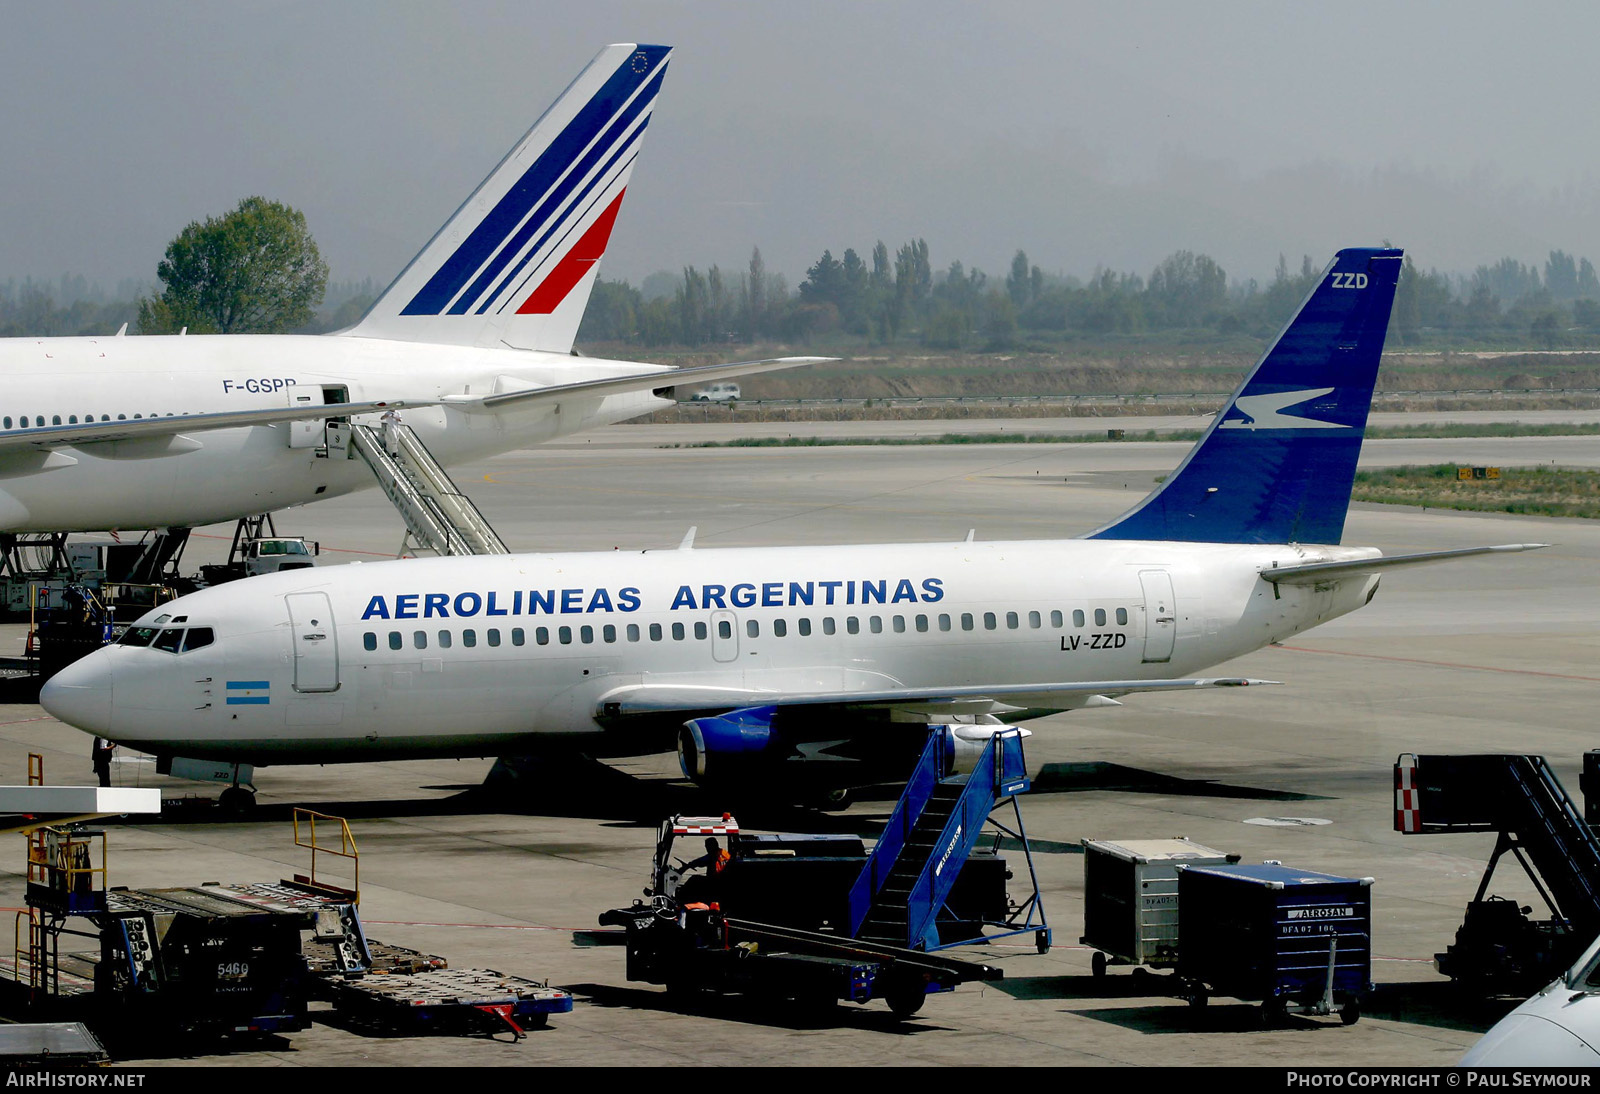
pixel 518 251
pixel 1264 411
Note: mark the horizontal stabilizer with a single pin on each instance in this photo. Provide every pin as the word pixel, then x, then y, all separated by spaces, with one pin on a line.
pixel 660 383
pixel 657 699
pixel 1315 573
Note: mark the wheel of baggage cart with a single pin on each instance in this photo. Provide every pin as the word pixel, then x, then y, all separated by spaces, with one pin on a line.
pixel 1274 1012
pixel 1096 963
pixel 1198 996
pixel 906 1001
pixel 1350 1013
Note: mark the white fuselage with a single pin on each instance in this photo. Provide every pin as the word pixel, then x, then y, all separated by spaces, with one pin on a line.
pixel 217 475
pixel 492 655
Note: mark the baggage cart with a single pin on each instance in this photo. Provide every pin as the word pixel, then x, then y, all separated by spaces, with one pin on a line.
pixel 1130 898
pixel 1286 937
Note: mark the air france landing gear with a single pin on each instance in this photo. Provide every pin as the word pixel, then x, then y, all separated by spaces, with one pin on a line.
pixel 237 801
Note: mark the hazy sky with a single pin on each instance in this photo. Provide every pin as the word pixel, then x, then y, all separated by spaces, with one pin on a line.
pixel 1087 134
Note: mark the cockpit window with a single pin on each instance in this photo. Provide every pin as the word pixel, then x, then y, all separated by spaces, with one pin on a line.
pixel 197 638
pixel 170 639
pixel 160 619
pixel 138 636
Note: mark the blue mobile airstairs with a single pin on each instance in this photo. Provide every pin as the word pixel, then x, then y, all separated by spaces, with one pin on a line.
pixel 900 895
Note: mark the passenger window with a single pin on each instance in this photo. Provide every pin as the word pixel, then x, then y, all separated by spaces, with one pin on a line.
pixel 72 419
pixel 199 638
pixel 541 635
pixel 369 641
pixel 1012 621
pixel 989 621
pixel 586 634
pixel 564 635
pixel 944 622
pixel 779 628
pixel 395 641
pixel 494 636
pixel 633 632
pixel 1077 617
pixel 752 629
pixel 1122 617
pixel 1034 621
pixel 827 624
pixel 966 621
pixel 608 633
pixel 899 624
pixel 518 637
pixel 724 629
pixel 8 421
pixel 1055 619
pixel 469 638
pixel 55 419
pixel 922 624
pixel 877 624
pixel 852 625
pixel 420 640
pixel 700 631
pixel 805 627
pixel 1099 617
pixel 677 632
pixel 655 632
pixel 444 640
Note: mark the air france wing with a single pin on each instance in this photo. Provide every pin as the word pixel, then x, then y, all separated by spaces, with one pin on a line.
pixel 72 435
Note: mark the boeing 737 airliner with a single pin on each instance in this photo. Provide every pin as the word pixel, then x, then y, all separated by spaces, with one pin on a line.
pixel 472 340
pixel 816 666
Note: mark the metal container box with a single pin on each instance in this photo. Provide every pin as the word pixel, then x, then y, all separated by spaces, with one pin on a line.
pixel 1130 900
pixel 1273 933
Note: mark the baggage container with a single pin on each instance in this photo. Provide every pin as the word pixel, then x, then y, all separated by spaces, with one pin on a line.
pixel 1130 898
pixel 1286 937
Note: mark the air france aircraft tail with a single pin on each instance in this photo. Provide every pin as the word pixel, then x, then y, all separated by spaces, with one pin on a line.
pixel 1278 462
pixel 517 261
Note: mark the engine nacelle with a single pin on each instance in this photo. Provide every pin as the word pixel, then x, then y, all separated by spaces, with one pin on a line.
pixel 965 742
pixel 716 747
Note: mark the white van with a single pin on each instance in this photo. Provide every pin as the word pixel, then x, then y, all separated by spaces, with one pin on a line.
pixel 716 393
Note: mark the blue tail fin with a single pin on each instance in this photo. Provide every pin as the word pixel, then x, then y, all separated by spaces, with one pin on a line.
pixel 1277 464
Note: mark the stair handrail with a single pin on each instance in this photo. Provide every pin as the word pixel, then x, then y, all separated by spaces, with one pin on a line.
pixel 1569 836
pixel 960 834
pixel 913 800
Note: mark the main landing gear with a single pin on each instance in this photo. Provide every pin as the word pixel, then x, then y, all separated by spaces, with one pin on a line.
pixel 237 800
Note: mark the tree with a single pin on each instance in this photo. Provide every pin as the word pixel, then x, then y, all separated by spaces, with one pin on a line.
pixel 255 270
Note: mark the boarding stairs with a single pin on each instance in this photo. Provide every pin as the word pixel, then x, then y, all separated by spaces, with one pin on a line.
pixel 937 823
pixel 1519 798
pixel 438 517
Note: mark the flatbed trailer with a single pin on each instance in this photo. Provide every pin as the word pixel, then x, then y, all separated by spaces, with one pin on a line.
pixel 448 1001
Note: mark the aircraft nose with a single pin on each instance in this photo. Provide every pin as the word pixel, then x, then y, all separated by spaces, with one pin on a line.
pixel 80 694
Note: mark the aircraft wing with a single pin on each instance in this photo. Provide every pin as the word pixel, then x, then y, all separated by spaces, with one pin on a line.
pixel 660 383
pixel 689 699
pixel 62 436
pixel 1315 573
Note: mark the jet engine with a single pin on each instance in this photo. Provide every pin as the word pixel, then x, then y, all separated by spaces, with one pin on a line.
pixel 798 750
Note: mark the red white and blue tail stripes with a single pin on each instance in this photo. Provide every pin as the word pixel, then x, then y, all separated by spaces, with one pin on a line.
pixel 509 265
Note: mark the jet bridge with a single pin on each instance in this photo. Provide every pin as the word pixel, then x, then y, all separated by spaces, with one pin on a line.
pixel 1498 948
pixel 438 517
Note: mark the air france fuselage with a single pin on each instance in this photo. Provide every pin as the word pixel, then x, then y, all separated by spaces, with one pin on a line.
pixel 499 655
pixel 203 477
